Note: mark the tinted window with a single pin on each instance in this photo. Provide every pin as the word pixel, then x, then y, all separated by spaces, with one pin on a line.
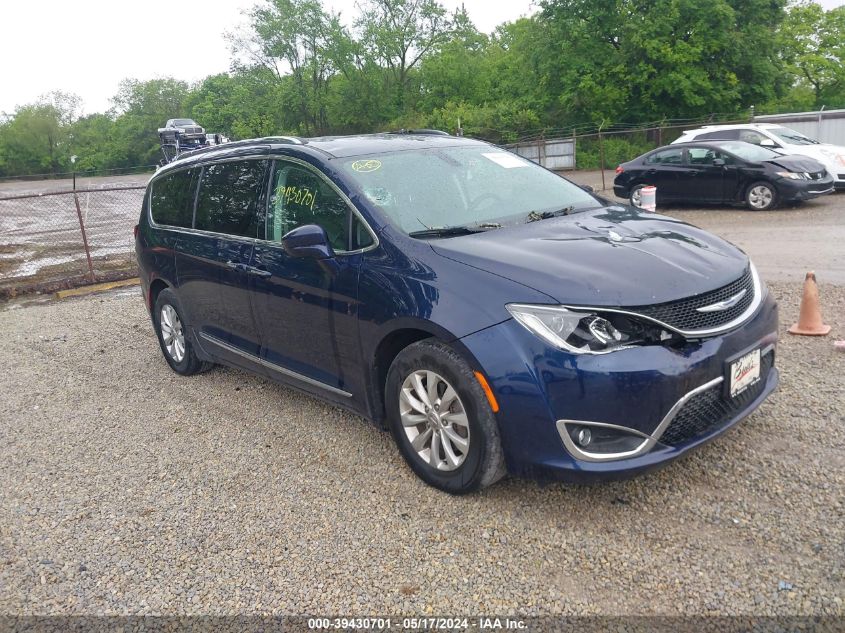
pixel 751 136
pixel 229 197
pixel 172 198
pixel 719 135
pixel 672 156
pixel 706 156
pixel 300 197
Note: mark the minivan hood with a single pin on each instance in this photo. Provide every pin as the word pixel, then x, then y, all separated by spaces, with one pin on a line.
pixel 612 256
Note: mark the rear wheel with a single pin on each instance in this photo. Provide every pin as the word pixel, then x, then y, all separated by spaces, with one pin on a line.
pixel 441 420
pixel 173 336
pixel 636 196
pixel 761 196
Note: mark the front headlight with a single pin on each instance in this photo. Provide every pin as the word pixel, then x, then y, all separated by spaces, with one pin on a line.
pixel 585 332
pixel 791 175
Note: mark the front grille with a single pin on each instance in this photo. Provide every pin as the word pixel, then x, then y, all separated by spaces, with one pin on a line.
pixel 683 315
pixel 712 408
pixel 840 176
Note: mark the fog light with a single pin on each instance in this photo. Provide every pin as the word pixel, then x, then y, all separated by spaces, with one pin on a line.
pixel 599 441
pixel 584 437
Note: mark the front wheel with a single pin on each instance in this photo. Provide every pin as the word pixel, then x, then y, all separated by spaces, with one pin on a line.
pixel 761 196
pixel 441 419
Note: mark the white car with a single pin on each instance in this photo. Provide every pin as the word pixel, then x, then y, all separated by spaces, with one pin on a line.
pixel 779 138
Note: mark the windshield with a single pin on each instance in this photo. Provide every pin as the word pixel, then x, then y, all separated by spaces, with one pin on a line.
pixel 461 186
pixel 748 151
pixel 183 122
pixel 791 136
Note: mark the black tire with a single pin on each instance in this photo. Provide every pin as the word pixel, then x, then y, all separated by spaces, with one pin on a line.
pixel 754 196
pixel 634 190
pixel 189 364
pixel 483 463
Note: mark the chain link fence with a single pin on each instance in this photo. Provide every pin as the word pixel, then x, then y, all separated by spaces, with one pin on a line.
pixel 50 240
pixel 602 148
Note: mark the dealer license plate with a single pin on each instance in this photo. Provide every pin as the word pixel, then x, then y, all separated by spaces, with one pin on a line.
pixel 744 372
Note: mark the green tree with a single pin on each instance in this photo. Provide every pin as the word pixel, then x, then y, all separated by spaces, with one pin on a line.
pixel 244 104
pixel 139 109
pixel 812 44
pixel 459 69
pixel 398 34
pixel 91 140
pixel 34 141
pixel 635 60
pixel 293 36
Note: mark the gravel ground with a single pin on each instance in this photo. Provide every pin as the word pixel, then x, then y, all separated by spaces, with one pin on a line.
pixel 130 490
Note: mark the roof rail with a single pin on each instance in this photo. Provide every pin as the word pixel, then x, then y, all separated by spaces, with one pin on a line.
pixel 421 131
pixel 291 140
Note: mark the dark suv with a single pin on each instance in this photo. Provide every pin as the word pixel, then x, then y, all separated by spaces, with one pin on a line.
pixel 183 131
pixel 495 316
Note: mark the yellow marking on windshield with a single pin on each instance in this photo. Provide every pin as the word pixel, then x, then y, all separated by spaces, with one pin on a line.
pixel 366 165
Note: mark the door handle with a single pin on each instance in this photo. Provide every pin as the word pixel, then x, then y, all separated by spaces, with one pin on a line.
pixel 252 270
pixel 237 266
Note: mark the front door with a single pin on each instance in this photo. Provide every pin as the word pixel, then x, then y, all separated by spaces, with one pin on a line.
pixel 705 182
pixel 213 260
pixel 306 309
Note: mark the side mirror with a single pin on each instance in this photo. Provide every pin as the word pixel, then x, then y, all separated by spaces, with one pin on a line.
pixel 767 142
pixel 587 188
pixel 308 240
pixel 718 162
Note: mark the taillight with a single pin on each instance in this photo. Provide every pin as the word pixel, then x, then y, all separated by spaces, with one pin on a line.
pixel 619 169
pixel 135 231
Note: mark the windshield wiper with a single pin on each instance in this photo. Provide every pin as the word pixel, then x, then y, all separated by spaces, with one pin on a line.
pixel 445 231
pixel 448 231
pixel 545 215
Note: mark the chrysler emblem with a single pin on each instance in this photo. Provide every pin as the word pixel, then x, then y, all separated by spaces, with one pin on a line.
pixel 723 305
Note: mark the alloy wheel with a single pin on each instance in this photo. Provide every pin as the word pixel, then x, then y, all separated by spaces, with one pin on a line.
pixel 637 196
pixel 434 420
pixel 760 197
pixel 172 333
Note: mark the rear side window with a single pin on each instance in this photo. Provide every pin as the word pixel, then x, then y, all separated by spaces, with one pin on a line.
pixel 229 197
pixel 673 156
pixel 719 135
pixel 172 198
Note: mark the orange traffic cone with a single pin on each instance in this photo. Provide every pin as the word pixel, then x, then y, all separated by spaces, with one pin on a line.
pixel 810 317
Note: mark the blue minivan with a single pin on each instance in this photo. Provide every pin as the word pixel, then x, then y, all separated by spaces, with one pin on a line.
pixel 493 315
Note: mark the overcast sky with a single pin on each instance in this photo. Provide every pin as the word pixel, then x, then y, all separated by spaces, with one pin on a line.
pixel 88 46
